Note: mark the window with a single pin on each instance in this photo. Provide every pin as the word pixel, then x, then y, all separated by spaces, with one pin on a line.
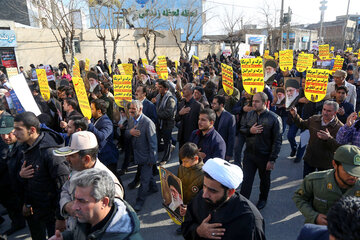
pixel 75 45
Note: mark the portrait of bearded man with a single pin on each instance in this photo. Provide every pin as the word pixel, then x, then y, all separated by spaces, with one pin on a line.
pixel 292 87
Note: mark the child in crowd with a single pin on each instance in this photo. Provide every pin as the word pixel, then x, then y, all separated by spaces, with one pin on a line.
pixel 190 172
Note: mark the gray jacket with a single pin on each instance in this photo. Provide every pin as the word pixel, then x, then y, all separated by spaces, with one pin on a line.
pixel 144 146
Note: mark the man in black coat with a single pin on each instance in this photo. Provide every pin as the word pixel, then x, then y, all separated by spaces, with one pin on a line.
pixel 42 175
pixel 218 211
pixel 187 114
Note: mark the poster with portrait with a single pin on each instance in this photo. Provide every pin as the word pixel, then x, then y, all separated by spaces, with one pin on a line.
pixel 171 191
pixel 292 90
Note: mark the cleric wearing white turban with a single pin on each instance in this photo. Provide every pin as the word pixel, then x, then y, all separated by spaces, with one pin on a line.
pixel 229 175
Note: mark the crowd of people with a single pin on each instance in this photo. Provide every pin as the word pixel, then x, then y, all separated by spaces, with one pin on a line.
pixel 62 171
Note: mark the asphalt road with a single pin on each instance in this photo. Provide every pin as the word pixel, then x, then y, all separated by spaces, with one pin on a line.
pixel 282 219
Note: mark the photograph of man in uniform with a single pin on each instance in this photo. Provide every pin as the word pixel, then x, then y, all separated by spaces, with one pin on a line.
pixel 292 86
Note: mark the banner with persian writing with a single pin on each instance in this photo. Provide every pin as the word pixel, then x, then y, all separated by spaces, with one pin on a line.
pixel 252 74
pixel 316 84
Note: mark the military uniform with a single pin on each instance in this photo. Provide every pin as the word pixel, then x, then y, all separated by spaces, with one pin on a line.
pixel 318 193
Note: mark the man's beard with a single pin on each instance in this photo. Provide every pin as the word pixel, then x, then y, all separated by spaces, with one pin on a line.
pixel 214 205
pixel 290 100
pixel 92 87
pixel 268 75
pixel 175 203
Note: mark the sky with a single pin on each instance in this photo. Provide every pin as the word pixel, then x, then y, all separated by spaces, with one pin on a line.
pixel 304 11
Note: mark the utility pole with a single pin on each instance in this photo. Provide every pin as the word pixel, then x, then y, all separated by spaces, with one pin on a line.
pixel 281 24
pixel 288 28
pixel 322 8
pixel 344 28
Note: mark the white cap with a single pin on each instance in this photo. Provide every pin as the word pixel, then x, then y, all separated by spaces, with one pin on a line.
pixel 229 175
pixel 82 140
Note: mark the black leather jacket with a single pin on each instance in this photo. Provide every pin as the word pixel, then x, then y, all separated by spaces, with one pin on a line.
pixel 268 143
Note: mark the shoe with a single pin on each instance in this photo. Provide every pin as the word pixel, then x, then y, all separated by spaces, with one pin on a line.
pixel 178 231
pixel 138 206
pixel 261 204
pixel 293 152
pixel 133 185
pixel 297 160
pixel 14 229
pixel 152 191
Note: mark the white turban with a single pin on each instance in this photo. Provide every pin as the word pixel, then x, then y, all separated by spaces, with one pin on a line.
pixel 229 175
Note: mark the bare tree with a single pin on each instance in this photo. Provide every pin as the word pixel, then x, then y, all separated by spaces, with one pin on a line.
pixel 234 28
pixel 270 17
pixel 148 20
pixel 192 19
pixel 63 17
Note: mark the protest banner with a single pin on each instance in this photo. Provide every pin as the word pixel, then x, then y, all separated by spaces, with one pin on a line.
pixel 332 49
pixel 226 52
pixel 286 60
pixel 349 49
pixel 276 55
pixel 324 51
pixel 316 84
pixel 23 93
pixel 227 79
pixel 176 66
pixel 338 64
pixel 172 194
pixel 162 70
pixel 76 68
pixel 122 89
pixel 304 62
pixel 144 61
pixel 126 69
pixel 267 55
pixel 87 64
pixel 252 74
pixel 82 96
pixel 358 63
pixel 43 84
pixel 12 71
pixel 292 91
pixel 15 101
pixel 150 70
pixel 49 73
pixel 110 70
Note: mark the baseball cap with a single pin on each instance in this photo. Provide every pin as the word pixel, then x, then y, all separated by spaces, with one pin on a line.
pixel 349 156
pixel 82 140
pixel 6 124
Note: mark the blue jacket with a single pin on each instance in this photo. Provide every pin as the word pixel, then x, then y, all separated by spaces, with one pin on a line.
pixel 313 232
pixel 212 144
pixel 227 130
pixel 348 108
pixel 149 110
pixel 103 130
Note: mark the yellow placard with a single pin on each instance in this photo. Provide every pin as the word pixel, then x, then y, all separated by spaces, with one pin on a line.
pixel 324 51
pixel 349 49
pixel 12 72
pixel 276 55
pixel 162 69
pixel 126 69
pixel 358 58
pixel 43 84
pixel 76 68
pixel 332 49
pixel 144 62
pixel 227 79
pixel 286 61
pixel 316 84
pixel 122 89
pixel 176 65
pixel 82 96
pixel 304 62
pixel 110 71
pixel 252 74
pixel 338 64
pixel 87 64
